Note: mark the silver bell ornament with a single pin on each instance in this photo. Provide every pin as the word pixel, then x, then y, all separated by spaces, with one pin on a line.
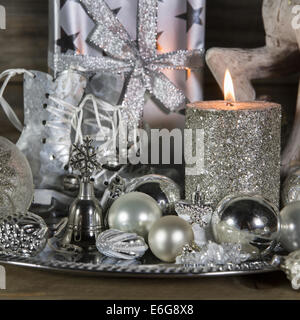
pixel 161 188
pixel 134 212
pixel 250 221
pixel 121 245
pixel 291 187
pixel 168 236
pixel 85 220
pixel 290 226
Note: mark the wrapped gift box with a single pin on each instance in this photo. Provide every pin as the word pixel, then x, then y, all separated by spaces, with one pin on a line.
pixel 181 25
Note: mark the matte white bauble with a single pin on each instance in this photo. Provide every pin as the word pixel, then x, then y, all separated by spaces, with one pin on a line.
pixel 168 236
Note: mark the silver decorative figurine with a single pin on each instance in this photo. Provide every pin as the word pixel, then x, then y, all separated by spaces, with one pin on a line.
pixel 85 221
pixel 195 212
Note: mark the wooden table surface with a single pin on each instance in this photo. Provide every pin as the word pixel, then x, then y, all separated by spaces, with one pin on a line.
pixel 26 283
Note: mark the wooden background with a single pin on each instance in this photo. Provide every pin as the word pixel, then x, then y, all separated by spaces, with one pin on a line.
pixel 230 23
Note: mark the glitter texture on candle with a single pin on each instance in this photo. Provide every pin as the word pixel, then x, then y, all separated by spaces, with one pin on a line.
pixel 241 149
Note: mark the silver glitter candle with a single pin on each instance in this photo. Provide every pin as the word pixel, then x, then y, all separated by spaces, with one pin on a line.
pixel 240 149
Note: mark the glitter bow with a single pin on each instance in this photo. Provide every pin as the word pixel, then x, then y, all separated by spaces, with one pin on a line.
pixel 137 59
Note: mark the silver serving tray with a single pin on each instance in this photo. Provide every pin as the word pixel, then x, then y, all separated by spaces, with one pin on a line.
pixel 97 265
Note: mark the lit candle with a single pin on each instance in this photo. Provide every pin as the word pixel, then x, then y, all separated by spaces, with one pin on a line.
pixel 241 147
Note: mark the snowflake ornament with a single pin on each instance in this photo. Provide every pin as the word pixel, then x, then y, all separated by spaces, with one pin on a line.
pixel 83 158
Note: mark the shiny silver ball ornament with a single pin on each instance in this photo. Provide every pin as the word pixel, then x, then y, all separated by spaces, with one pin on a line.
pixel 291 187
pixel 134 212
pixel 168 236
pixel 161 188
pixel 290 226
pixel 250 221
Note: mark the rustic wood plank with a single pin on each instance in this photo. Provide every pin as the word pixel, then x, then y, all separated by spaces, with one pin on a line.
pixel 24 43
pixel 23 283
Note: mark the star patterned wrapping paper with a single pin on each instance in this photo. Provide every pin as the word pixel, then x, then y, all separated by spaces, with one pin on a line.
pixel 181 26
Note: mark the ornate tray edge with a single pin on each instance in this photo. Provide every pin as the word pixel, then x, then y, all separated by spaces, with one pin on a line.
pixel 159 270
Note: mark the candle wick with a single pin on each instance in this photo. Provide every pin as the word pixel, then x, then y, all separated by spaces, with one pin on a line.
pixel 229 104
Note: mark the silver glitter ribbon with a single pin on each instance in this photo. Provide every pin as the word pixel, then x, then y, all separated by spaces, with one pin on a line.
pixel 139 60
pixel 212 254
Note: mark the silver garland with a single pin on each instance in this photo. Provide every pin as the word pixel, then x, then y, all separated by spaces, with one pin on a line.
pixel 138 60
pixel 24 235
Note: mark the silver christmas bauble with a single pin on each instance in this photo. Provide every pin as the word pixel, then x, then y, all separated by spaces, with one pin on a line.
pixel 161 188
pixel 16 181
pixel 291 187
pixel 134 212
pixel 250 221
pixel 168 236
pixel 290 226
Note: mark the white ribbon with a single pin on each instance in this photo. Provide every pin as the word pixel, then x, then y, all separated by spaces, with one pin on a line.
pixel 13 118
pixel 105 117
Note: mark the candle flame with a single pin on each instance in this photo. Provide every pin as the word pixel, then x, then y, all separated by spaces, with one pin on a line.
pixel 228 87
